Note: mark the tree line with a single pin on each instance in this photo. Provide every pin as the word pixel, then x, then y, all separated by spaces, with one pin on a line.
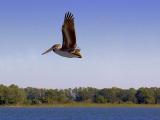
pixel 15 95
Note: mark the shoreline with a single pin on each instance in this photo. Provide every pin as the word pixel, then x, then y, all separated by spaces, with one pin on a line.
pixel 84 105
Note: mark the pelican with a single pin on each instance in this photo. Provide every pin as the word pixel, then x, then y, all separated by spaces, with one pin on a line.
pixel 69 47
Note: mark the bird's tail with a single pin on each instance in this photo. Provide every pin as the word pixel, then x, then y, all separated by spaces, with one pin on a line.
pixel 47 51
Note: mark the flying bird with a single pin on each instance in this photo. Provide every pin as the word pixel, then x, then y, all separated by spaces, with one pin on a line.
pixel 69 47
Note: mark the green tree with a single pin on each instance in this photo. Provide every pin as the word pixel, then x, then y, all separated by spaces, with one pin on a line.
pixel 145 96
pixel 157 95
pixel 128 95
pixel 3 93
pixel 34 95
pixel 85 94
pixel 111 94
pixel 100 99
pixel 15 95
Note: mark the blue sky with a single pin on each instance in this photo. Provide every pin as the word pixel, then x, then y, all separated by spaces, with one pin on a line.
pixel 119 39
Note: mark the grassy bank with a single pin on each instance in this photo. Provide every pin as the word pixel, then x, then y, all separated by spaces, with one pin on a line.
pixel 86 105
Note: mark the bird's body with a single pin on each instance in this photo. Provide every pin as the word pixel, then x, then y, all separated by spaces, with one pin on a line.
pixel 72 54
pixel 68 48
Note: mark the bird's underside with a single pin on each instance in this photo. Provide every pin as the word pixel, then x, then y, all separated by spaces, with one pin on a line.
pixel 68 48
pixel 72 54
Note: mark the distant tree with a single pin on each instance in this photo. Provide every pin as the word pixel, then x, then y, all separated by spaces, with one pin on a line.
pixel 14 95
pixel 128 95
pixel 100 99
pixel 3 93
pixel 85 94
pixel 34 95
pixel 51 96
pixel 69 95
pixel 132 95
pixel 157 95
pixel 145 96
pixel 111 94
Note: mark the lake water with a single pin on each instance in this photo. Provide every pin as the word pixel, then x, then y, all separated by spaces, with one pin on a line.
pixel 79 113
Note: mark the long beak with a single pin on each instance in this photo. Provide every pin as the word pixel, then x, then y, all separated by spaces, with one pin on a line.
pixel 47 51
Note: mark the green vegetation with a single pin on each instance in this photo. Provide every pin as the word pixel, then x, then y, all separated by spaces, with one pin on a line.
pixel 108 97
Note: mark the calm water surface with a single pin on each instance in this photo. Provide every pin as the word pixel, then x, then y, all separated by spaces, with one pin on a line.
pixel 79 113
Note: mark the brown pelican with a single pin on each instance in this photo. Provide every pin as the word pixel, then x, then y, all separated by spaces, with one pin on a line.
pixel 69 47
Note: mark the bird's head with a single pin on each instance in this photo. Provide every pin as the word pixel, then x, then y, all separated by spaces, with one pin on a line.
pixel 53 48
pixel 56 47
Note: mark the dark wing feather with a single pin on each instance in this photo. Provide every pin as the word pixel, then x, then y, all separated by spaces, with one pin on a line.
pixel 68 32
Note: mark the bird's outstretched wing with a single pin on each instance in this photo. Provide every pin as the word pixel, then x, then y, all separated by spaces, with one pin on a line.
pixel 68 32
